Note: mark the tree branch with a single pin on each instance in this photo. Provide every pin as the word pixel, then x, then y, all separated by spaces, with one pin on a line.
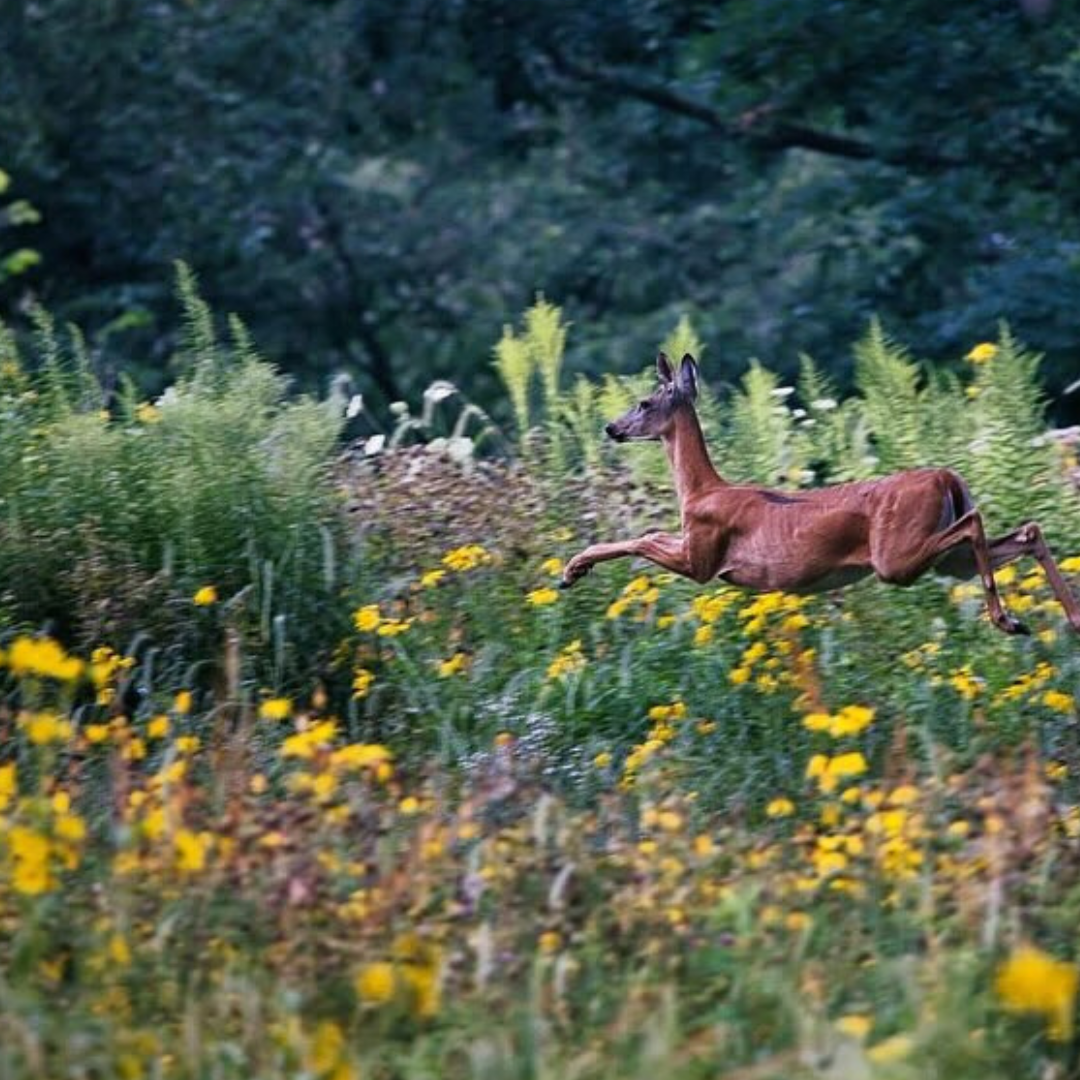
pixel 774 135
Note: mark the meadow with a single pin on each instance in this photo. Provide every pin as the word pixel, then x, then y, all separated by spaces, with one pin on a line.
pixel 308 769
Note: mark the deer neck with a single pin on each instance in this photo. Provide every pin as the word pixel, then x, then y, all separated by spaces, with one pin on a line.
pixel 689 456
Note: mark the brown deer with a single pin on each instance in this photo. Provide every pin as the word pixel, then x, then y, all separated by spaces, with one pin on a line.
pixel 897 527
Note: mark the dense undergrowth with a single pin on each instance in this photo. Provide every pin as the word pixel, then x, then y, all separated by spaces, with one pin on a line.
pixel 308 769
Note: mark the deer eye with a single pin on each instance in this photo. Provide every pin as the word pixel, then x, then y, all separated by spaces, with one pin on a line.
pixel 645 404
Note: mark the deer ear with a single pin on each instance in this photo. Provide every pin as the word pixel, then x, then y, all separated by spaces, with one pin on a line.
pixel 688 377
pixel 664 368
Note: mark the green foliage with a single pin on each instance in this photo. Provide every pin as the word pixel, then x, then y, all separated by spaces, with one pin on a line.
pixel 412 174
pixel 759 440
pixel 513 360
pixel 13 215
pixel 112 524
pixel 603 817
pixel 683 340
pixel 1010 458
pixel 889 385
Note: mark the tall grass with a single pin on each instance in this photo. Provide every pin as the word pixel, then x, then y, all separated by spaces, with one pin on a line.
pixel 110 520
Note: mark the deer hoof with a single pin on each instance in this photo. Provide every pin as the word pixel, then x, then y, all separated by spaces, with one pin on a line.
pixel 574 571
pixel 1014 626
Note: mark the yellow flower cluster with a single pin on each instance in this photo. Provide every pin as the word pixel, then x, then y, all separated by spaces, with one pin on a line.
pixel 542 597
pixel 850 720
pixel 362 681
pixel 106 667
pixel 639 595
pixel 466 558
pixel 664 719
pixel 1032 981
pixel 411 978
pixel 42 657
pixel 570 661
pixel 47 840
pixel 982 353
pixel 370 619
pixel 766 662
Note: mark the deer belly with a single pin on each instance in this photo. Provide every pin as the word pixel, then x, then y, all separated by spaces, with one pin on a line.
pixel 794 579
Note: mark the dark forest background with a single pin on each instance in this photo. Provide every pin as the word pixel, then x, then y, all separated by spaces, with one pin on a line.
pixel 377 186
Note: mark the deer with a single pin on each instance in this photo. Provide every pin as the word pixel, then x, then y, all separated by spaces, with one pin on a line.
pixel 897 527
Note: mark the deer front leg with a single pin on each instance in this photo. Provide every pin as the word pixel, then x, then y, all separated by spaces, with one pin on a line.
pixel 664 549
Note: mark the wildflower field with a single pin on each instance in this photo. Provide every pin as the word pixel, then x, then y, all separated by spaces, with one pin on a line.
pixel 309 769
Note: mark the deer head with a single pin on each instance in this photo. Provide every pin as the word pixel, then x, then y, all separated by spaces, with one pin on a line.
pixel 652 419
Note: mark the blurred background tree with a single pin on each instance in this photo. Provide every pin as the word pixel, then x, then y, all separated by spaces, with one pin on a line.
pixel 377 186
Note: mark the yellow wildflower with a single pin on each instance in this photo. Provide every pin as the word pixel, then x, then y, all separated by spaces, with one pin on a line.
pixel 158 727
pixel 96 733
pixel 855 1025
pixel 393 627
pixel 376 982
pixel 739 675
pixel 44 657
pixel 1059 702
pixel 703 635
pixel 182 702
pixel 982 353
pixel 191 849
pixel 542 597
pixel 361 683
pixel 549 941
pixel 552 566
pixel 275 708
pixel 851 720
pixel 30 852
pixel 895 1048
pixel 852 764
pixel 304 743
pixel 69 827
pixel 569 661
pixel 466 558
pixel 45 727
pixel 602 760
pixel 432 578
pixel 360 755
pixel 453 665
pixel 367 618
pixel 1032 981
pixel 780 808
pixel 9 784
pixel 187 744
pixel 817 721
pixel 205 596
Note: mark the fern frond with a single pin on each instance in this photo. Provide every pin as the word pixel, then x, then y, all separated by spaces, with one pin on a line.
pixel 889 382
pixel 682 340
pixel 546 336
pixel 200 341
pixel 513 361
pixel 759 444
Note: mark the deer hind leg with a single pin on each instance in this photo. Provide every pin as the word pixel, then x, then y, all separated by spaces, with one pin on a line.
pixel 963 542
pixel 1026 541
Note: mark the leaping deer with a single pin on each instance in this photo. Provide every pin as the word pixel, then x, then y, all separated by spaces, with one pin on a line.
pixel 897 527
